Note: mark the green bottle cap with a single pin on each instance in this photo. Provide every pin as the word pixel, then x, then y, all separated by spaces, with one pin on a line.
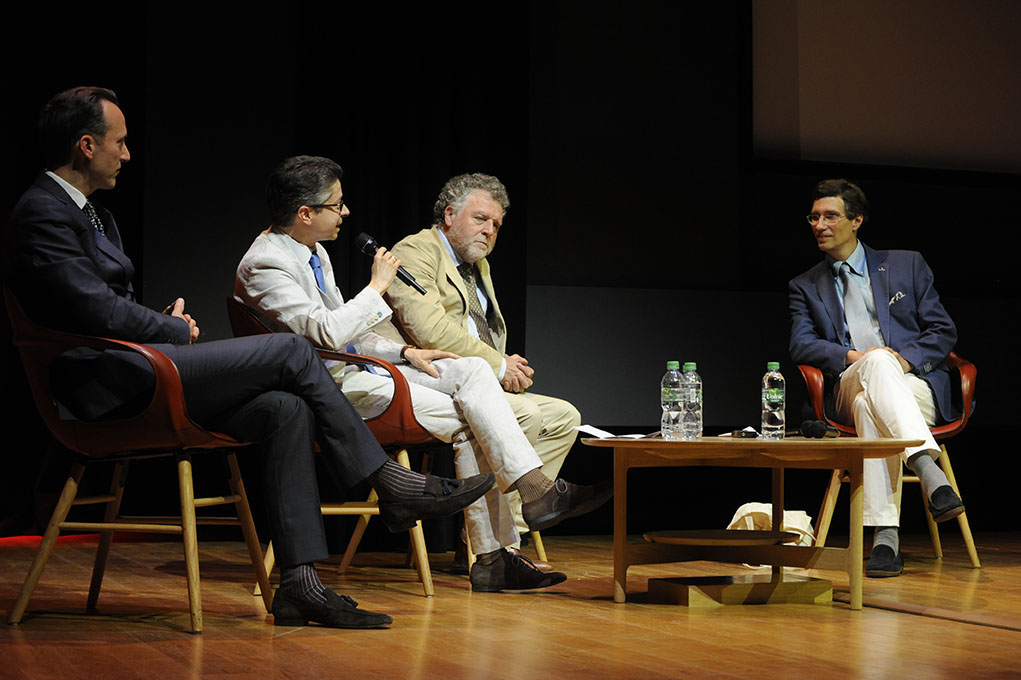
pixel 672 365
pixel 773 366
pixel 690 366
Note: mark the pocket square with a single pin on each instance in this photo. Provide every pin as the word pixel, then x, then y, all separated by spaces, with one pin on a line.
pixel 897 296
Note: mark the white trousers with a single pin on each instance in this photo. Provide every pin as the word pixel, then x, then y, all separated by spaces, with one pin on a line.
pixel 884 402
pixel 465 406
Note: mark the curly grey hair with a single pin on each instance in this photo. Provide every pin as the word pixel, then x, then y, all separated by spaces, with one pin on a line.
pixel 457 189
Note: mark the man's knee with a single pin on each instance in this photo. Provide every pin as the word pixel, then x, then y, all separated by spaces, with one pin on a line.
pixel 880 360
pixel 272 412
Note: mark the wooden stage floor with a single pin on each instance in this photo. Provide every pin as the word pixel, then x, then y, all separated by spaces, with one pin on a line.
pixel 938 620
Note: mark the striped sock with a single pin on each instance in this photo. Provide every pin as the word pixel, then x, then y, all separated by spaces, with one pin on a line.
pixel 394 482
pixel 303 580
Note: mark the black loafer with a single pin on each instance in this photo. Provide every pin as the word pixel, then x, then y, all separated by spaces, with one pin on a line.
pixel 562 501
pixel 511 572
pixel 883 563
pixel 440 498
pixel 945 504
pixel 339 611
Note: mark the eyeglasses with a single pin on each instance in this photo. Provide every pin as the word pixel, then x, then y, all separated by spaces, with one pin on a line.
pixel 829 219
pixel 339 206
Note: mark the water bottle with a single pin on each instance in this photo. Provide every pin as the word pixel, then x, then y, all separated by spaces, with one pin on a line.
pixel 774 394
pixel 670 400
pixel 691 390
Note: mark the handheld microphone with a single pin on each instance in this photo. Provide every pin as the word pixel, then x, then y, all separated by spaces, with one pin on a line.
pixel 368 245
pixel 818 429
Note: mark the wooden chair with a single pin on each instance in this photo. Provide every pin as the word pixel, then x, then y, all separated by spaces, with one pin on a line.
pixel 162 429
pixel 814 382
pixel 396 429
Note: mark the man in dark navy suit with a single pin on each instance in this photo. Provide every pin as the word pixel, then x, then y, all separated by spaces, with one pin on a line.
pixel 872 322
pixel 66 267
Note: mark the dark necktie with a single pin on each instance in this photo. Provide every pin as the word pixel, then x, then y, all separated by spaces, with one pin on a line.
pixel 859 321
pixel 467 271
pixel 90 210
pixel 317 269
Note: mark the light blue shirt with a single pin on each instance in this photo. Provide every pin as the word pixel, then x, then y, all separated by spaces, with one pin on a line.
pixel 473 330
pixel 860 275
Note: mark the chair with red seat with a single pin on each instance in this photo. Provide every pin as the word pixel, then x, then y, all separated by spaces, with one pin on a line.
pixel 814 382
pixel 396 429
pixel 161 429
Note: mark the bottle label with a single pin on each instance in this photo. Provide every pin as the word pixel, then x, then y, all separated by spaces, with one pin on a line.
pixel 773 394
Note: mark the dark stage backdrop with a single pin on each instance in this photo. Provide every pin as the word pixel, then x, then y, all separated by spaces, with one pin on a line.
pixel 654 214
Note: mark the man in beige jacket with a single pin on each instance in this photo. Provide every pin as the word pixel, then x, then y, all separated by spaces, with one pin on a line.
pixel 460 312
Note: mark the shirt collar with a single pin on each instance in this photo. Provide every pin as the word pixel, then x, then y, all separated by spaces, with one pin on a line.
pixel 301 251
pixel 450 250
pixel 77 196
pixel 856 261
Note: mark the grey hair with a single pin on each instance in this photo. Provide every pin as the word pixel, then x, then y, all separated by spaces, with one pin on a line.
pixel 457 189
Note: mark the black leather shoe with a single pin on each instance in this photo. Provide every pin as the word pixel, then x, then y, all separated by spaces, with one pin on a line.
pixel 945 504
pixel 562 501
pixel 883 563
pixel 440 498
pixel 339 611
pixel 511 572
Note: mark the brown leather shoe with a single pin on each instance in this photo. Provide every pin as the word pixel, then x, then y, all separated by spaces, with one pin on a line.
pixel 562 501
pixel 539 564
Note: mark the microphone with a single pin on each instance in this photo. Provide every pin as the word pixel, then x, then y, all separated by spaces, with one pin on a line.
pixel 818 429
pixel 368 245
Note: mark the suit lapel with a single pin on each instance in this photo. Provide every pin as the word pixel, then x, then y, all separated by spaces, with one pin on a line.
pixel 306 276
pixel 879 276
pixel 453 276
pixel 827 291
pixel 110 245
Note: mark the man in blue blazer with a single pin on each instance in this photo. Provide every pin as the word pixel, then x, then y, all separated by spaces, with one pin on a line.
pixel 65 265
pixel 872 322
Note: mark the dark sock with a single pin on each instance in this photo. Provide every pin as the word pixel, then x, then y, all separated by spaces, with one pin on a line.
pixel 394 482
pixel 532 485
pixel 302 580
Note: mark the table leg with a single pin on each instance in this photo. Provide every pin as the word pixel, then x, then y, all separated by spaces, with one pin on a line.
pixel 778 492
pixel 620 468
pixel 854 546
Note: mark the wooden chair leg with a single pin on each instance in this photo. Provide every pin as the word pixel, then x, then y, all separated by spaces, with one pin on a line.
pixel 189 534
pixel 937 545
pixel 268 562
pixel 46 545
pixel 468 548
pixel 244 512
pixel 962 519
pixel 829 502
pixel 113 508
pixel 356 536
pixel 540 549
pixel 418 548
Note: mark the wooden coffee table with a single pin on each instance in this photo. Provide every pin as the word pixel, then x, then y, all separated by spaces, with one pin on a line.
pixel 846 453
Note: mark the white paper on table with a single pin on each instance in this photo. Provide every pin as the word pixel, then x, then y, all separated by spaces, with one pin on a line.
pixel 603 434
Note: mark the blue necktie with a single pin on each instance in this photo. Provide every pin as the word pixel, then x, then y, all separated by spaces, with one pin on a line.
pixel 859 321
pixel 317 269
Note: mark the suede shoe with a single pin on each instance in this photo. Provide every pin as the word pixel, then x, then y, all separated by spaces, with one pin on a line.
pixel 562 501
pixel 511 572
pixel 883 563
pixel 339 611
pixel 945 504
pixel 537 563
pixel 440 498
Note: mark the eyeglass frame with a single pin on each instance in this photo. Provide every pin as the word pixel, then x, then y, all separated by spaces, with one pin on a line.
pixel 827 220
pixel 339 206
